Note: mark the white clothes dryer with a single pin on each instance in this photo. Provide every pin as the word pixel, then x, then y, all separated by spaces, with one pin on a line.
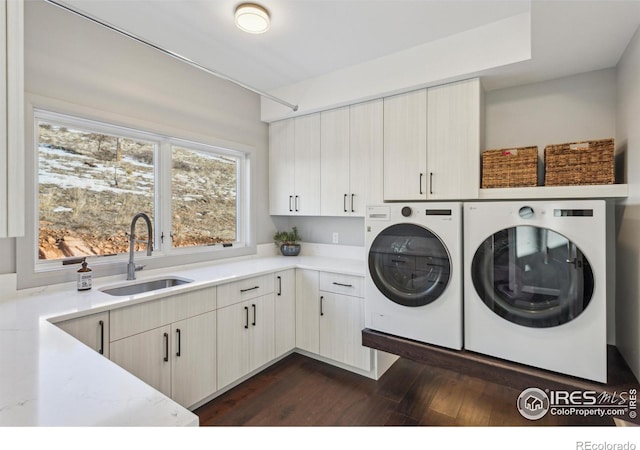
pixel 535 284
pixel 414 276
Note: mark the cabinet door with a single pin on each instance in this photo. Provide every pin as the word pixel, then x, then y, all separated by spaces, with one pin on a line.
pixel 405 146
pixel 307 165
pixel 365 153
pixel 92 331
pixel 453 144
pixel 12 193
pixel 341 324
pixel 335 197
pixel 285 311
pixel 262 343
pixel 281 167
pixel 193 349
pixel 307 310
pixel 233 343
pixel 147 356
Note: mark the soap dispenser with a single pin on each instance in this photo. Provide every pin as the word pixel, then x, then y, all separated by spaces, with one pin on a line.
pixel 84 277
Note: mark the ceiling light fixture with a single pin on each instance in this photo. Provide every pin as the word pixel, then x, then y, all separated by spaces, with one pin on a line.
pixel 252 18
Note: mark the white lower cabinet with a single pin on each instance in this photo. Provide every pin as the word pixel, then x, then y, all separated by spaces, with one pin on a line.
pixel 92 330
pixel 146 355
pixel 341 324
pixel 194 359
pixel 285 311
pixel 308 310
pixel 179 359
pixel 170 344
pixel 330 317
pixel 246 338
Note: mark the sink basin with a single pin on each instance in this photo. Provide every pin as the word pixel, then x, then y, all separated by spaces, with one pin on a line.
pixel 145 286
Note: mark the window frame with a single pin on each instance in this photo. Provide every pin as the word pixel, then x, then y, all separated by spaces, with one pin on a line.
pixel 31 271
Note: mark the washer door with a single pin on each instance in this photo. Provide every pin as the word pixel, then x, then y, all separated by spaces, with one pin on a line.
pixel 532 276
pixel 409 265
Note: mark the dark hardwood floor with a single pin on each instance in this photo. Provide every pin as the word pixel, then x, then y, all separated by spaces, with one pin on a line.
pixel 300 391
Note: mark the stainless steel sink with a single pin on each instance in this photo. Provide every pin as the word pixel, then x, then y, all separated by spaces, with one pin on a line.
pixel 145 286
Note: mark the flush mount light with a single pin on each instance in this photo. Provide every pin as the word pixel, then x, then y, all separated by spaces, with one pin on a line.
pixel 252 18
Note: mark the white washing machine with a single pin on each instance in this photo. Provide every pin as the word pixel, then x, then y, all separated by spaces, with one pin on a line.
pixel 535 284
pixel 414 276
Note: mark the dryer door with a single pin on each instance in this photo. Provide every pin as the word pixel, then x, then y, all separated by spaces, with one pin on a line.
pixel 409 265
pixel 532 276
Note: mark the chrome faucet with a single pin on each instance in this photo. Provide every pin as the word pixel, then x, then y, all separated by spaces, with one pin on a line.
pixel 131 267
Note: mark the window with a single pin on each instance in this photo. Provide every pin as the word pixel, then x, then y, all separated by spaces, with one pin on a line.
pixel 91 178
pixel 90 185
pixel 204 198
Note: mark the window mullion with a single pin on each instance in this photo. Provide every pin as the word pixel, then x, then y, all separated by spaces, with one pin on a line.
pixel 163 196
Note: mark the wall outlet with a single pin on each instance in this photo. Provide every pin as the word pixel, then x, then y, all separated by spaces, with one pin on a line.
pixel 335 238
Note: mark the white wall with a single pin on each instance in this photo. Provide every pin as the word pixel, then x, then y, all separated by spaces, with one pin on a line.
pixel 456 57
pixel 569 109
pixel 70 59
pixel 628 245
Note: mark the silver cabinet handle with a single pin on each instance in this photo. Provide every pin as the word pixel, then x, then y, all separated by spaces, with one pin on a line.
pixel 297 203
pixel 344 203
pixel 290 203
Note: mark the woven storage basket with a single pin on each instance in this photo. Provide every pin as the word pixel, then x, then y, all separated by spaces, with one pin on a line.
pixel 587 162
pixel 510 167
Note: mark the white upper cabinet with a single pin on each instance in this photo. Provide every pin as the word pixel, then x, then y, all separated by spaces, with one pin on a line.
pixel 335 197
pixel 294 166
pixel 351 159
pixel 405 146
pixel 453 140
pixel 365 153
pixel 432 143
pixel 12 118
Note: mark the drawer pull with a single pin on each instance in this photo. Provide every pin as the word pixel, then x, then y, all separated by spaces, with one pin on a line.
pixel 249 289
pixel 342 284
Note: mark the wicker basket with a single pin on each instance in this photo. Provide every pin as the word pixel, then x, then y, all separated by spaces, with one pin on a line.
pixel 576 163
pixel 510 167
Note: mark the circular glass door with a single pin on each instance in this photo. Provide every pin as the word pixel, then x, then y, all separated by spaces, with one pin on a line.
pixel 409 265
pixel 532 276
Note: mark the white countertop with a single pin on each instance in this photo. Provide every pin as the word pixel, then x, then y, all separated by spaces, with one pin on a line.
pixel 48 378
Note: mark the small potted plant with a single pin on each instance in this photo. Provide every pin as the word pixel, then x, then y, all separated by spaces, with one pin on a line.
pixel 288 242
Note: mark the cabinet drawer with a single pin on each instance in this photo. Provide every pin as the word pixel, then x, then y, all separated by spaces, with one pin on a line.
pixel 242 290
pixel 342 284
pixel 138 318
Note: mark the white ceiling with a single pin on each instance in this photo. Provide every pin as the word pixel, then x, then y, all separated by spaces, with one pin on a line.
pixel 309 38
